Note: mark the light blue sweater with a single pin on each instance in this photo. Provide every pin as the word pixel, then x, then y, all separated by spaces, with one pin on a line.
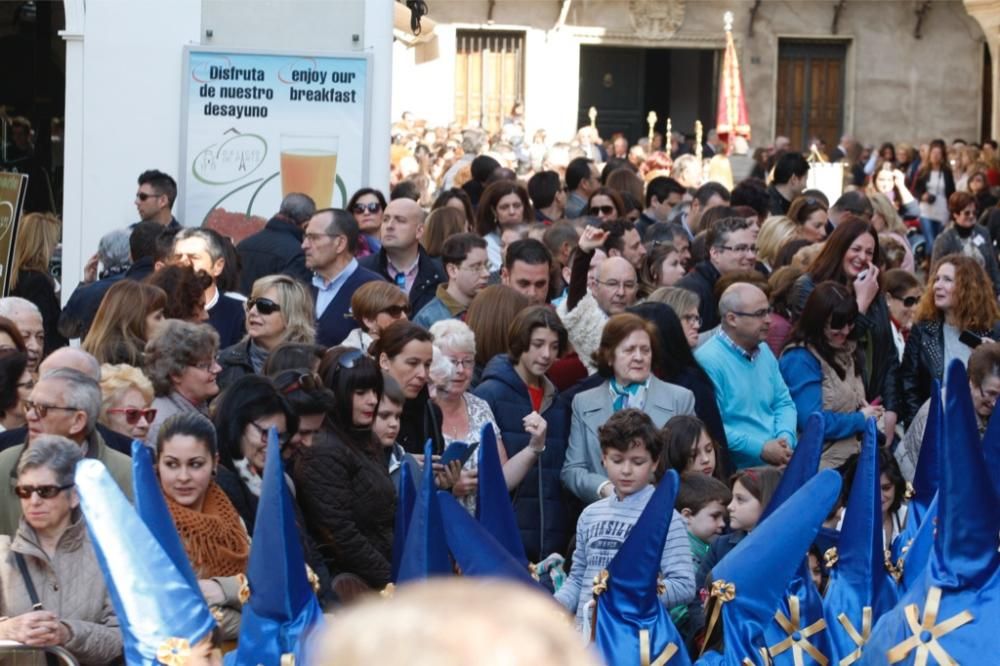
pixel 752 396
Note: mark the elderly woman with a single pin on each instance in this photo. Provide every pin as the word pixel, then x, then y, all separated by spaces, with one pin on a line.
pixel 625 358
pixel 126 395
pixel 51 588
pixel 214 537
pixel 464 414
pixel 279 310
pixel 180 362
pixel 376 305
pixel 15 387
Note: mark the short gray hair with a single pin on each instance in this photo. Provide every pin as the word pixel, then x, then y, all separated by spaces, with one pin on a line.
pixel 55 453
pixel 454 334
pixel 113 250
pixel 80 391
pixel 212 245
pixel 300 207
pixel 178 345
pixel 12 305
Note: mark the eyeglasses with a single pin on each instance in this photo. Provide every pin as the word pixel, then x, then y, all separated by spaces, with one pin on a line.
pixel 602 210
pixel 307 381
pixel 396 311
pixel 265 306
pixel 908 302
pixel 132 414
pixel 615 285
pixel 839 321
pixel 206 366
pixel 42 409
pixel 758 314
pixel 45 492
pixel 693 319
pixel 740 249
pixel 361 209
pixel 482 267
pixel 968 213
pixel 142 196
pixel 283 437
pixel 467 363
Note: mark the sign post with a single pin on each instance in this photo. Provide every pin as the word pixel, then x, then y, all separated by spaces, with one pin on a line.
pixel 13 187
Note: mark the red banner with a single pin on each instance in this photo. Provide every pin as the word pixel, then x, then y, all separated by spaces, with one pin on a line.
pixel 732 119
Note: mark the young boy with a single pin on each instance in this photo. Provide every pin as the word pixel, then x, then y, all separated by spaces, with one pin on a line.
pixel 629 451
pixel 386 425
pixel 701 501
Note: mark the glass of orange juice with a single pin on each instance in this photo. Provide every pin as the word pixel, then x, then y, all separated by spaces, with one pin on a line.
pixel 309 166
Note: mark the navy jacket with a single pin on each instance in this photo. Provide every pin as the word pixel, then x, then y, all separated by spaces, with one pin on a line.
pixel 336 322
pixel 429 275
pixel 228 318
pixel 277 248
pixel 541 504
pixel 76 317
pixel 701 280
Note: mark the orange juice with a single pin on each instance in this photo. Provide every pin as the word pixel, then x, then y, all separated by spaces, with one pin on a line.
pixel 309 171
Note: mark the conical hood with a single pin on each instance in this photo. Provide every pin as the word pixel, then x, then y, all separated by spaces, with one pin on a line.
pixel 494 509
pixel 803 465
pixel 160 613
pixel 631 620
pixel 991 449
pixel 406 498
pixel 425 553
pixel 475 550
pixel 283 611
pixel 918 552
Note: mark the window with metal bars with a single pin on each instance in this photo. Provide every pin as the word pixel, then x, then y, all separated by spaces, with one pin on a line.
pixel 489 76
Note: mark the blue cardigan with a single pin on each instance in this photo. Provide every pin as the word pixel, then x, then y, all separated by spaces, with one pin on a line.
pixel 336 322
pixel 753 399
pixel 804 377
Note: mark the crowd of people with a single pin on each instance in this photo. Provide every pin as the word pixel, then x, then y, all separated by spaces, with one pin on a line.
pixel 612 313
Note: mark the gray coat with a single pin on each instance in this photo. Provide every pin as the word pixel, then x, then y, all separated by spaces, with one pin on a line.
pixel 582 472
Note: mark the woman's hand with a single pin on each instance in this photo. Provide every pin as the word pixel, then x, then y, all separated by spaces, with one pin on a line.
pixel 536 427
pixel 872 410
pixel 212 591
pixel 90 269
pixel 446 476
pixel 593 238
pixel 468 481
pixel 866 288
pixel 37 628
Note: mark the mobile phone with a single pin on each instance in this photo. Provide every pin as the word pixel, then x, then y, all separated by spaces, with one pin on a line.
pixel 862 275
pixel 970 339
pixel 458 451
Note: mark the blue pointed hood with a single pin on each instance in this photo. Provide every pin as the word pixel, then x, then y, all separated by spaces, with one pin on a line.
pixel 425 553
pixel 860 589
pixel 494 509
pixel 918 552
pixel 283 611
pixel 991 449
pixel 475 550
pixel 751 579
pixel 803 465
pixel 159 611
pixel 631 620
pixel 406 498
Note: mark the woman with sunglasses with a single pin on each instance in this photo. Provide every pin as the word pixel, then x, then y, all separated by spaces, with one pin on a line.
pixel 375 305
pixel 821 365
pixel 279 310
pixel 126 395
pixel 964 236
pixel 956 313
pixel 53 593
pixel 606 205
pixel 180 363
pixel 130 314
pixel 215 540
pixel 347 498
pixel 367 205
pixel 902 290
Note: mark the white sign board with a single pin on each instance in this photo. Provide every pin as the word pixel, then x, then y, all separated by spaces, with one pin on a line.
pixel 259 125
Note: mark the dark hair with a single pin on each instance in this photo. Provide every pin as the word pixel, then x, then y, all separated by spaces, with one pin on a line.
pixel 803 207
pixel 959 201
pixel 887 465
pixel 10 328
pixel 142 241
pixel 363 374
pixel 343 224
pixel 486 221
pixel 751 192
pixel 405 189
pixel 617 328
pixel 788 165
pixel 185 289
pixel 829 300
pixel 482 167
pixel 709 217
pixel 628 184
pixel 229 278
pixel 662 187
pixel 678 437
pixel 625 427
pixel 557 234
pixel 164 245
pixel 616 234
pixel 787 252
pixel 661 232
pixel 577 171
pixel 526 322
pixel 192 424
pixel 615 164
pixel 161 184
pixel 456 193
pixel 299 207
pixel 247 399
pixel 304 391
pixel 363 192
pixel 529 251
pixel 442 224
pixel 396 336
pixel 489 316
pixel 897 282
pixel 391 390
pixel 829 263
pixel 292 355
pixel 854 202
pixel 699 490
pixel 12 365
pixel 616 200
pixel 782 285
pixel 717 233
pixel 761 482
pixel 457 248
pixel 710 189
pixel 543 188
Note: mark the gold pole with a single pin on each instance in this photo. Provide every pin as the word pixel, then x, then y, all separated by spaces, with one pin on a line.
pixel 651 121
pixel 668 140
pixel 592 114
pixel 697 140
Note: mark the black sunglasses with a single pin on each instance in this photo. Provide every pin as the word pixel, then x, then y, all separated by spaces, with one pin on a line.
pixel 602 210
pixel 265 306
pixel 45 492
pixel 361 209
pixel 142 196
pixel 909 301
pixel 839 321
pixel 396 311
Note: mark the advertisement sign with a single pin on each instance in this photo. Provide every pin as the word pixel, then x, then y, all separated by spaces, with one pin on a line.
pixel 258 126
pixel 13 187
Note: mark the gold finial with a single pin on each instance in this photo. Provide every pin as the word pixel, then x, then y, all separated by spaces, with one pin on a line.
pixel 651 121
pixel 697 140
pixel 592 114
pixel 668 140
pixel 727 19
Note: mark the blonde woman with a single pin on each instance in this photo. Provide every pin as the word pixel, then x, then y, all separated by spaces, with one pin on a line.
pixel 279 310
pixel 126 396
pixel 774 233
pixel 37 237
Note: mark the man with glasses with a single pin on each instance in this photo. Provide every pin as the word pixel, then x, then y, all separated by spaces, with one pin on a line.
pixel 757 410
pixel 64 402
pixel 731 248
pixel 467 265
pixel 329 242
pixel 155 199
pixel 277 248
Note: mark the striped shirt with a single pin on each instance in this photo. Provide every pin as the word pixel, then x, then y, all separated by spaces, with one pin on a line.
pixel 600 532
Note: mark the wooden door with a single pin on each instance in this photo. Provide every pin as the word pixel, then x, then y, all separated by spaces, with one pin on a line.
pixel 489 77
pixel 612 80
pixel 810 92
